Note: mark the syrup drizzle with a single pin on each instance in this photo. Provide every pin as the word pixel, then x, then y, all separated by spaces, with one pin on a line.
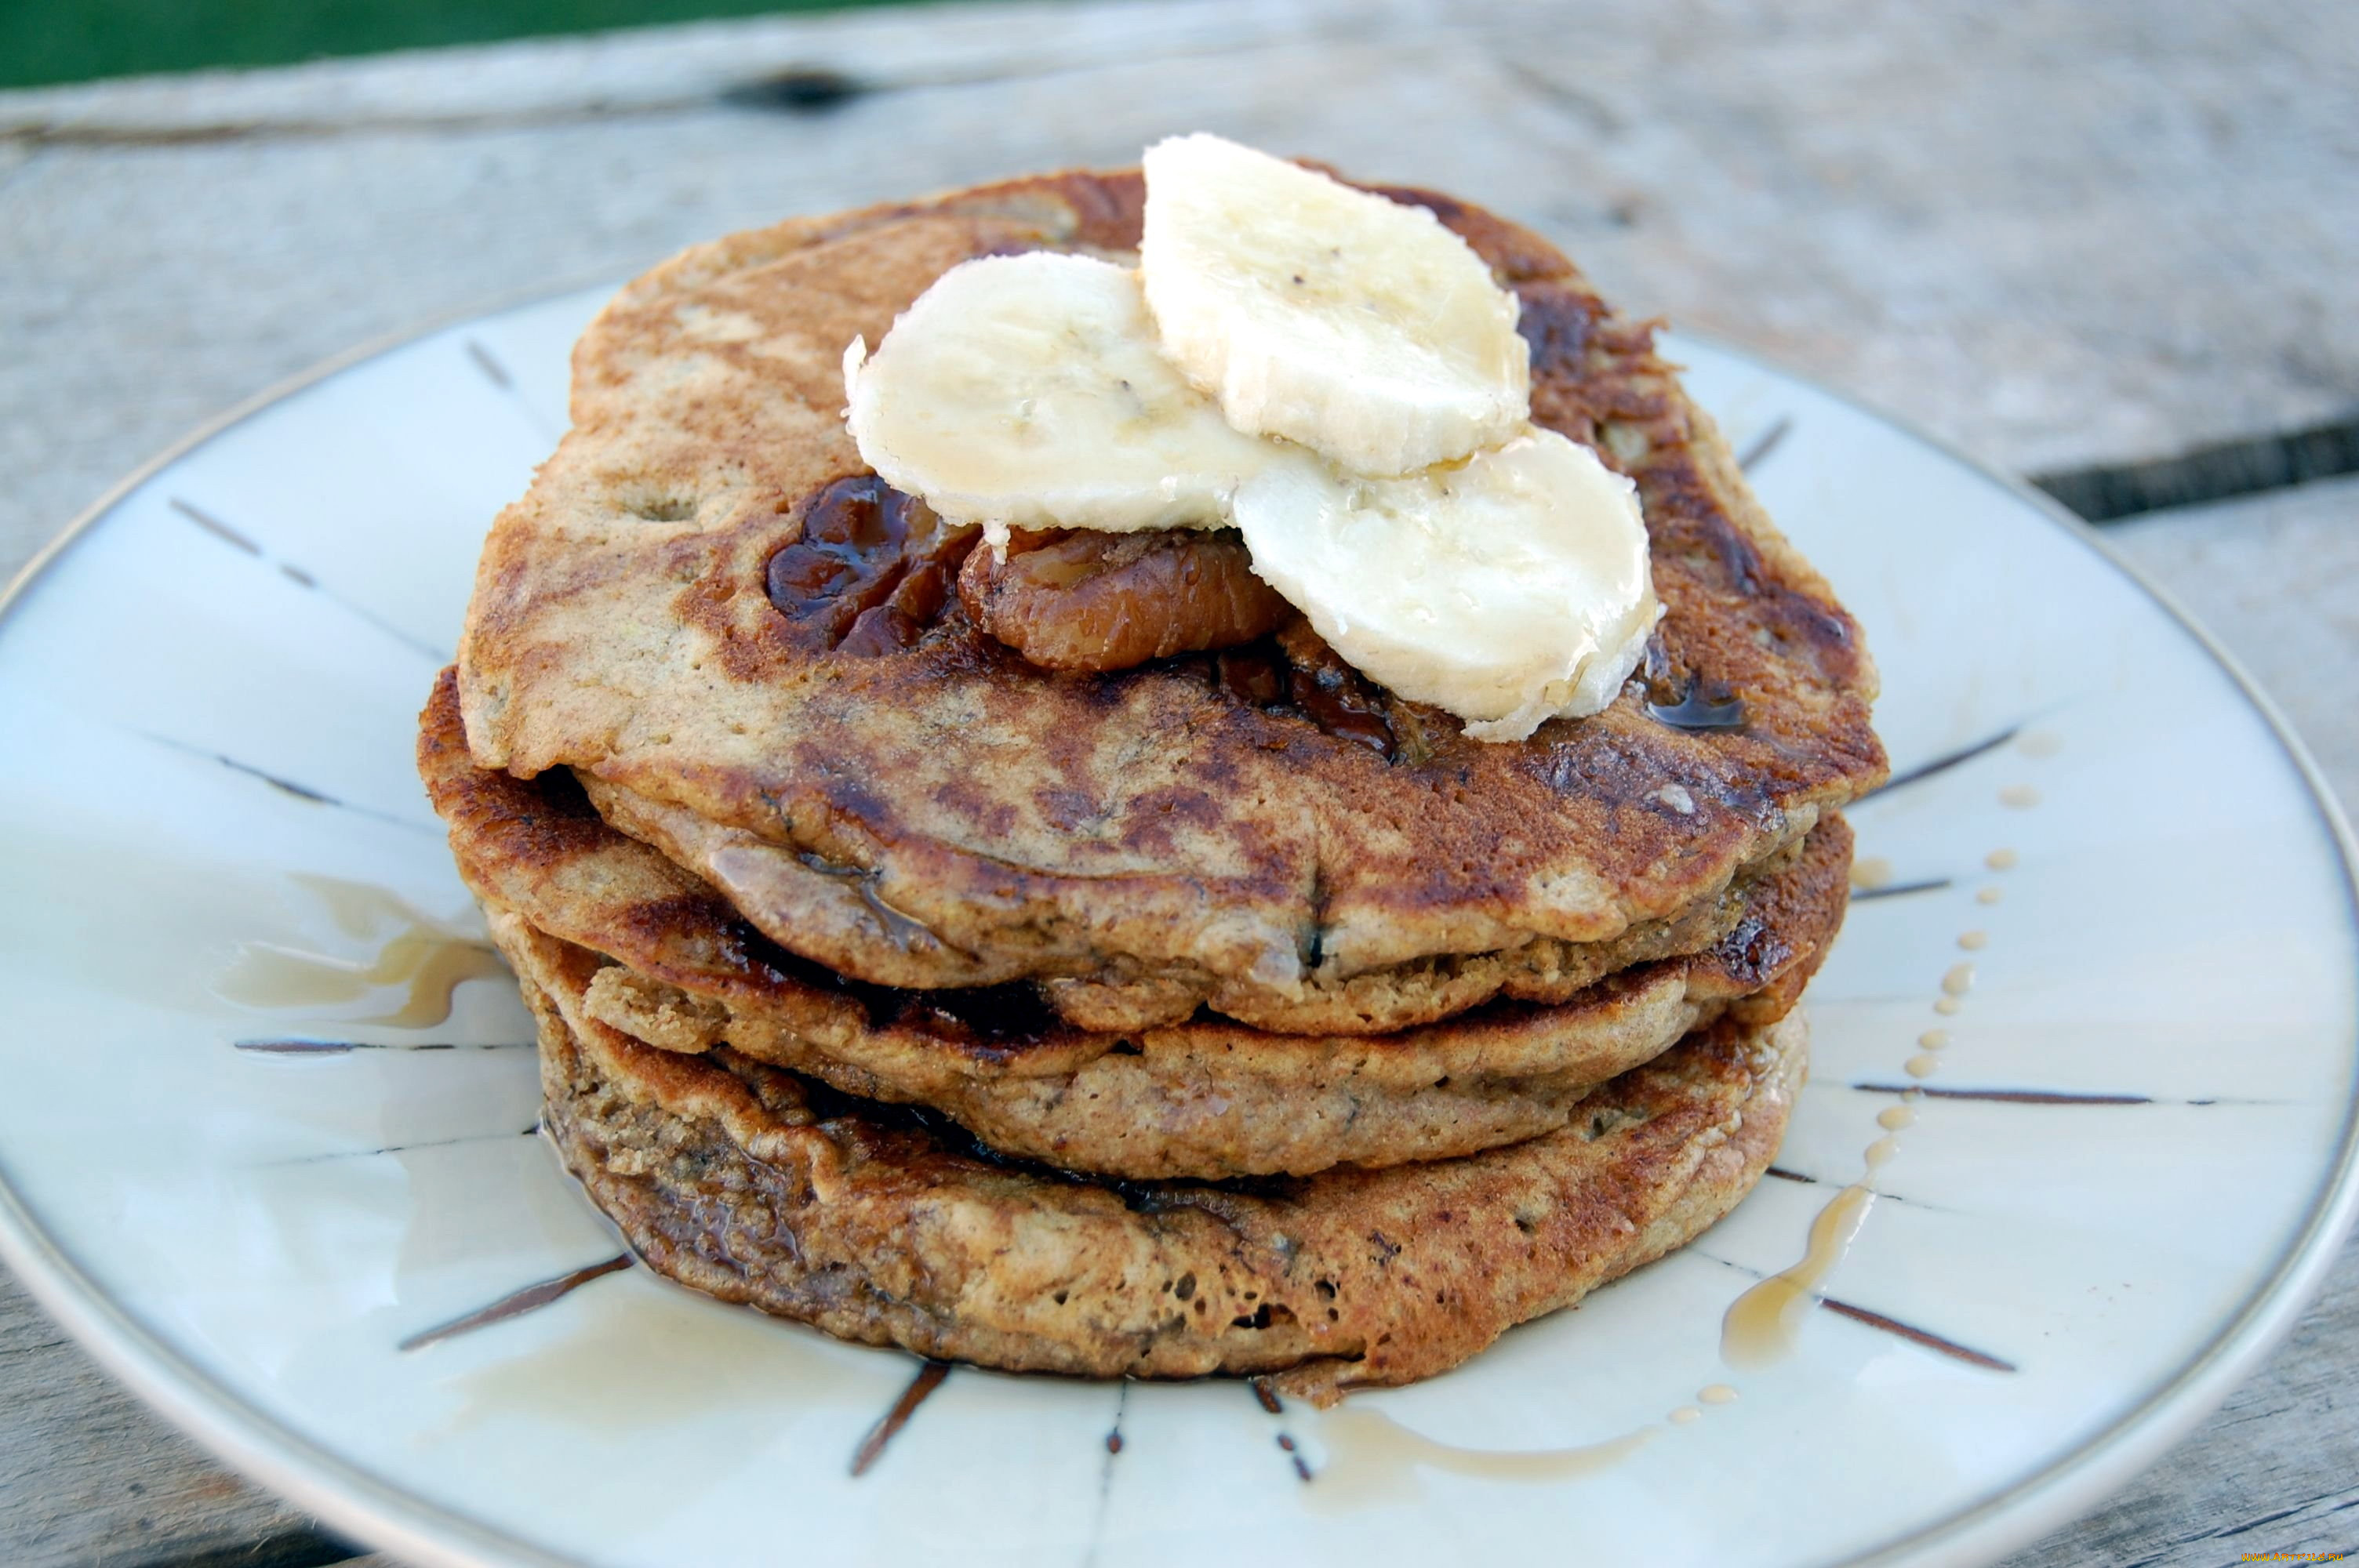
pixel 1762 1325
pixel 903 929
pixel 1695 711
pixel 1370 1456
pixel 1876 1319
pixel 428 957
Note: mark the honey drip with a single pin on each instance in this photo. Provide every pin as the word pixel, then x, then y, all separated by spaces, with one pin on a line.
pixel 428 957
pixel 1763 1323
pixel 1371 1457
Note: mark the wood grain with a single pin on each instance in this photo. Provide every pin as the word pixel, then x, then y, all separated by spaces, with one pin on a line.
pixel 88 1476
pixel 2102 232
pixel 2097 234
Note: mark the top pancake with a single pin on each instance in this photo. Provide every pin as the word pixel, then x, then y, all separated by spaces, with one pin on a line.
pixel 948 814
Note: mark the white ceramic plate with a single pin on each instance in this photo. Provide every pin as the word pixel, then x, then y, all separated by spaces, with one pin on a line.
pixel 2133 1157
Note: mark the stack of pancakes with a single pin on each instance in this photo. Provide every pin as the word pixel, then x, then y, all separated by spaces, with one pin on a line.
pixel 1226 1014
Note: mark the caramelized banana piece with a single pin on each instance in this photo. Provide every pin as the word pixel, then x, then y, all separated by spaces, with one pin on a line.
pixel 1086 601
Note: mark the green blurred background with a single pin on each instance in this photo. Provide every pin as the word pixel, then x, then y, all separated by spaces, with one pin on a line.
pixel 74 40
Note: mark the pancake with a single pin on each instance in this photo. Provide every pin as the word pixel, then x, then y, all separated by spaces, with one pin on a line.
pixel 760 1187
pixel 756 875
pixel 946 813
pixel 1204 1098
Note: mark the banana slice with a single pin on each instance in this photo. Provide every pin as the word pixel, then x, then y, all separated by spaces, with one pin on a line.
pixel 1510 589
pixel 1357 326
pixel 1027 391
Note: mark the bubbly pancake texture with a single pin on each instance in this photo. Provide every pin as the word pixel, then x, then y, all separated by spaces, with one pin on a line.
pixel 877 784
pixel 761 1188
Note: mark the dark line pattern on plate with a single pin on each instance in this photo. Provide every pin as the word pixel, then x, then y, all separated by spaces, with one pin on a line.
pixel 1121 1404
pixel 1923 1338
pixel 1916 1335
pixel 1113 1445
pixel 872 1447
pixel 296 1046
pixel 229 536
pixel 497 374
pixel 301 792
pixel 394 1149
pixel 1899 890
pixel 1805 1179
pixel 494 372
pixel 1264 1394
pixel 532 1298
pixel 1758 452
pixel 1942 764
pixel 215 526
pixel 2015 1097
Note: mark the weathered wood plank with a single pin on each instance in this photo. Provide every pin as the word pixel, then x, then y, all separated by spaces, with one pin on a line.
pixel 89 1478
pixel 2276 577
pixel 2100 233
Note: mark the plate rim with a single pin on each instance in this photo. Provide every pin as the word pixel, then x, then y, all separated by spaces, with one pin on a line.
pixel 353 1501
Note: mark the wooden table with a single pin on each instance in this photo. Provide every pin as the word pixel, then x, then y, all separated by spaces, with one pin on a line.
pixel 2112 244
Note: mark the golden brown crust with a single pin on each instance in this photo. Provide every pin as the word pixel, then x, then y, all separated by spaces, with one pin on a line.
pixel 1142 823
pixel 1207 1097
pixel 538 846
pixel 749 1184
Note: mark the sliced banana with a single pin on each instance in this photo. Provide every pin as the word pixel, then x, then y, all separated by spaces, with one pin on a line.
pixel 1027 391
pixel 1509 589
pixel 1357 326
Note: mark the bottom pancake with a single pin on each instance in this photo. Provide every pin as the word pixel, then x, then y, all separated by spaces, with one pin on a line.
pixel 883 1225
